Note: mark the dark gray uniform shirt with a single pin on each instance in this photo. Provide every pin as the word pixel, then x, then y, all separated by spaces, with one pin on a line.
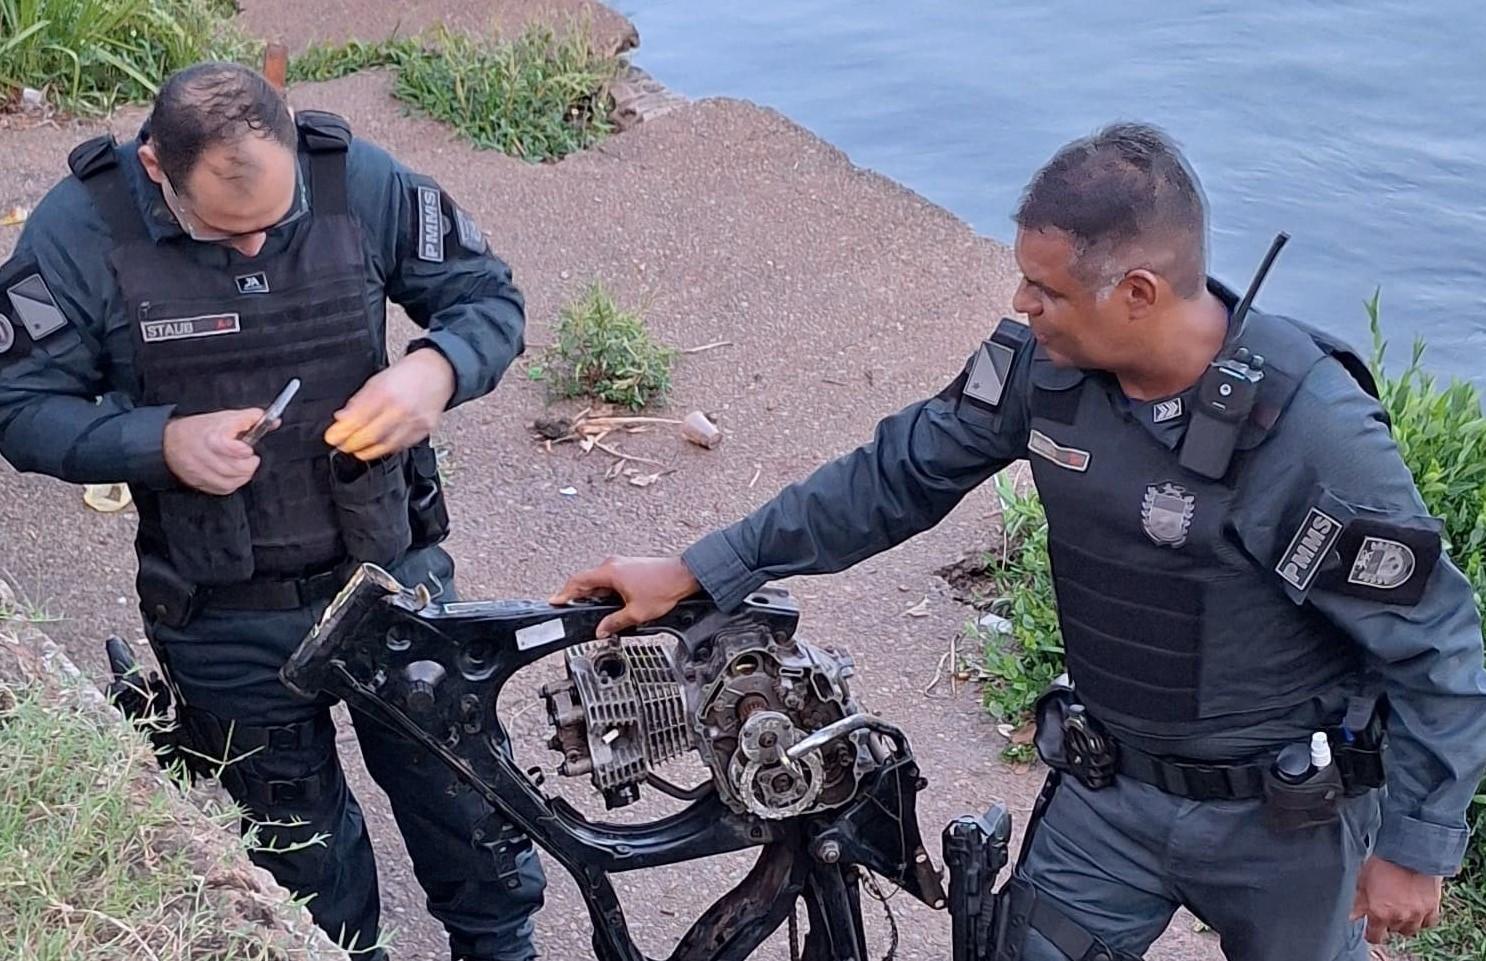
pixel 65 408
pixel 925 458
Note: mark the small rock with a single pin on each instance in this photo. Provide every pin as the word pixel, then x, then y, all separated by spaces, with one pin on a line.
pixel 996 623
pixel 921 609
pixel 32 99
pixel 552 427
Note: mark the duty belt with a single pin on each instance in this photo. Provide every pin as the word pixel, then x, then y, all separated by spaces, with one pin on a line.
pixel 1357 748
pixel 279 594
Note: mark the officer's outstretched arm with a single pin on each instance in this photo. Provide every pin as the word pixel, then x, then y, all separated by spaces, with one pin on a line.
pixel 921 463
pixel 440 269
pixel 1352 539
pixel 56 417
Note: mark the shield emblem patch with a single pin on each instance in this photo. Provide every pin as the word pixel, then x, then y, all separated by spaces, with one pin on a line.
pixel 1166 514
pixel 1382 563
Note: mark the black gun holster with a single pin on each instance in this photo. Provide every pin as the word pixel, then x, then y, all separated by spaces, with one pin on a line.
pixel 990 925
pixel 975 851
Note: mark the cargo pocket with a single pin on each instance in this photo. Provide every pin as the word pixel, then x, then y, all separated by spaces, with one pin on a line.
pixel 371 506
pixel 207 536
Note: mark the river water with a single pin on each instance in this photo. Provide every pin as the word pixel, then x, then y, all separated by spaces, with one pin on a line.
pixel 1357 127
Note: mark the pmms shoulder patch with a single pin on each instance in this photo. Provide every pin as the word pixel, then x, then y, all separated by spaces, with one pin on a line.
pixel 430 225
pixel 1313 540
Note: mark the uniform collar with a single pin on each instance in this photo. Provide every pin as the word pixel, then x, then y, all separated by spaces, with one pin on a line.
pixel 1165 418
pixel 159 222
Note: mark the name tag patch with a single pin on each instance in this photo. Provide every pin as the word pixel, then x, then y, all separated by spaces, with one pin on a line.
pixel 185 328
pixel 1069 458
pixel 1308 549
pixel 430 226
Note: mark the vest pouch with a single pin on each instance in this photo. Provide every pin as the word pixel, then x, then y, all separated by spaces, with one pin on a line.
pixel 427 514
pixel 1311 803
pixel 207 536
pixel 164 596
pixel 371 505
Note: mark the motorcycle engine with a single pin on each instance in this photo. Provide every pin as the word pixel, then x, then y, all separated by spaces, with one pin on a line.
pixel 745 702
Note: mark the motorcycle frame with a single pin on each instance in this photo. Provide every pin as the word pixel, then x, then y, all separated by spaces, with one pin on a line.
pixel 376 630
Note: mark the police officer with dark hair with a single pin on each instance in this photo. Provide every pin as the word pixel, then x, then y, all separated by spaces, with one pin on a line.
pixel 1258 614
pixel 159 299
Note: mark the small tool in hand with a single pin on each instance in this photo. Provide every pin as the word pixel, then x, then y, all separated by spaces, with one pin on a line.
pixel 270 418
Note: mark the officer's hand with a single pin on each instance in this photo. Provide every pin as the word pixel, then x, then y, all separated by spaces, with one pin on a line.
pixel 203 450
pixel 649 587
pixel 395 409
pixel 1395 900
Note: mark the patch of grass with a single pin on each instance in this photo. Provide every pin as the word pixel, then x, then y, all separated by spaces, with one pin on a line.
pixel 605 352
pixel 91 861
pixel 539 96
pixel 1020 665
pixel 333 61
pixel 20 606
pixel 88 56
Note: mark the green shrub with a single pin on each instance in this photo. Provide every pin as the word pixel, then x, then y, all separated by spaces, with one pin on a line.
pixel 605 352
pixel 1441 433
pixel 1019 667
pixel 539 97
pixel 90 55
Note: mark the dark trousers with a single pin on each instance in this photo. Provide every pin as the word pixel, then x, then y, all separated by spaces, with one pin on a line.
pixel 1119 862
pixel 308 827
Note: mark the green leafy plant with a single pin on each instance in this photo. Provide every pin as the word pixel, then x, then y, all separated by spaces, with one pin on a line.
pixel 90 55
pixel 1441 433
pixel 1020 664
pixel 607 353
pixel 539 96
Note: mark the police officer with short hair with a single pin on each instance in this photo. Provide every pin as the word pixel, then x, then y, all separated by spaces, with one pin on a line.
pixel 1257 612
pixel 159 299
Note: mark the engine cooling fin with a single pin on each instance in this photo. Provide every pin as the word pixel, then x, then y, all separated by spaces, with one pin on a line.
pixel 634 706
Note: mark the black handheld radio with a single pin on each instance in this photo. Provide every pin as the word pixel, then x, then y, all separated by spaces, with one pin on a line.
pixel 1226 392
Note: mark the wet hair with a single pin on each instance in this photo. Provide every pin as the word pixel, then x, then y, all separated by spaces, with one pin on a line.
pixel 214 104
pixel 1127 198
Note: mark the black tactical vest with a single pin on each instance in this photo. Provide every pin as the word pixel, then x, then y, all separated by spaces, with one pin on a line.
pixel 208 338
pixel 1166 620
